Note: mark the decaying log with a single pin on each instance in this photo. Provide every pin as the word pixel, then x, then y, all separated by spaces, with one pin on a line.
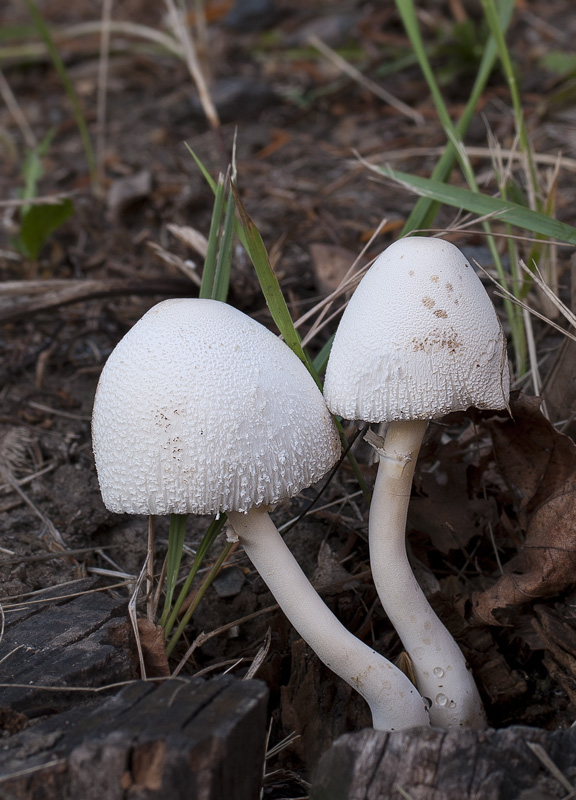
pixel 70 636
pixel 517 763
pixel 184 739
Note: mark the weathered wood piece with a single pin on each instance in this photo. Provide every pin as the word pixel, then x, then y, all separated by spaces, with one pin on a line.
pixel 76 637
pixel 517 763
pixel 184 739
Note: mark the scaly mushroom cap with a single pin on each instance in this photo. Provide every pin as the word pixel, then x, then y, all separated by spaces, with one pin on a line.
pixel 200 409
pixel 419 338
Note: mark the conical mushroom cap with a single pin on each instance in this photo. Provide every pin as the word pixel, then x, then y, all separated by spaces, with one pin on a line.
pixel 419 338
pixel 200 409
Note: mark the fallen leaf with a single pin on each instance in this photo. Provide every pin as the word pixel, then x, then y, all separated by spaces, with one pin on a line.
pixel 126 191
pixel 559 388
pixel 153 643
pixel 445 510
pixel 330 264
pixel 539 466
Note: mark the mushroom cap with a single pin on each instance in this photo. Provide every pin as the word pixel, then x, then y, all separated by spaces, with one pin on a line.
pixel 419 338
pixel 200 409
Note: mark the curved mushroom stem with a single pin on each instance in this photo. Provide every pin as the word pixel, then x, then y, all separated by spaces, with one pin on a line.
pixel 394 702
pixel 439 664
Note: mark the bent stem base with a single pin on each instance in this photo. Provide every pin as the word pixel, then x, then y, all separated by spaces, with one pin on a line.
pixel 439 665
pixel 394 701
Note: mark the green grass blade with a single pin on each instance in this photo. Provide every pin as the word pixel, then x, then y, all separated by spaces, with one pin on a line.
pixel 491 16
pixel 210 262
pixel 224 263
pixel 425 209
pixel 407 12
pixel 206 583
pixel 268 281
pixel 205 174
pixel 456 151
pixel 33 170
pixel 207 541
pixel 44 33
pixel 321 359
pixel 254 246
pixel 176 535
pixel 482 204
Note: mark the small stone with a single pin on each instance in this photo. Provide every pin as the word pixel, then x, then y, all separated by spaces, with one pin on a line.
pixel 229 582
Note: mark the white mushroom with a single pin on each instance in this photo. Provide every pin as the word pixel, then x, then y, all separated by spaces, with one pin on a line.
pixel 202 410
pixel 419 338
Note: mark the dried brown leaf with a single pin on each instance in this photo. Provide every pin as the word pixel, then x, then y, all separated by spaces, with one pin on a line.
pixel 539 465
pixel 450 508
pixel 331 263
pixel 153 645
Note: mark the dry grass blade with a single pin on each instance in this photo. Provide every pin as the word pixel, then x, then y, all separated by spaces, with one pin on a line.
pixel 501 293
pixel 101 103
pixel 57 598
pixel 259 658
pixel 281 745
pixel 23 773
pixel 357 76
pixel 111 573
pixel 546 761
pixel 229 663
pixel 171 259
pixel 183 35
pixel 3 623
pixel 542 284
pixel 134 617
pixel 340 501
pixel 45 200
pixel 14 444
pixel 58 412
pixel 82 689
pixel 72 33
pixel 28 479
pixel 539 280
pixel 79 551
pixel 406 795
pixel 17 113
pixel 542 159
pixel 348 283
pixel 204 637
pixel 533 359
pixel 50 535
pixel 190 237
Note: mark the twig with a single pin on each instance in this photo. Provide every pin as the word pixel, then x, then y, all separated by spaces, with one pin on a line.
pixel 76 291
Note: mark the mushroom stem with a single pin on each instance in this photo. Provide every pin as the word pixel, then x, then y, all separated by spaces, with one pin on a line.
pixel 394 702
pixel 439 664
